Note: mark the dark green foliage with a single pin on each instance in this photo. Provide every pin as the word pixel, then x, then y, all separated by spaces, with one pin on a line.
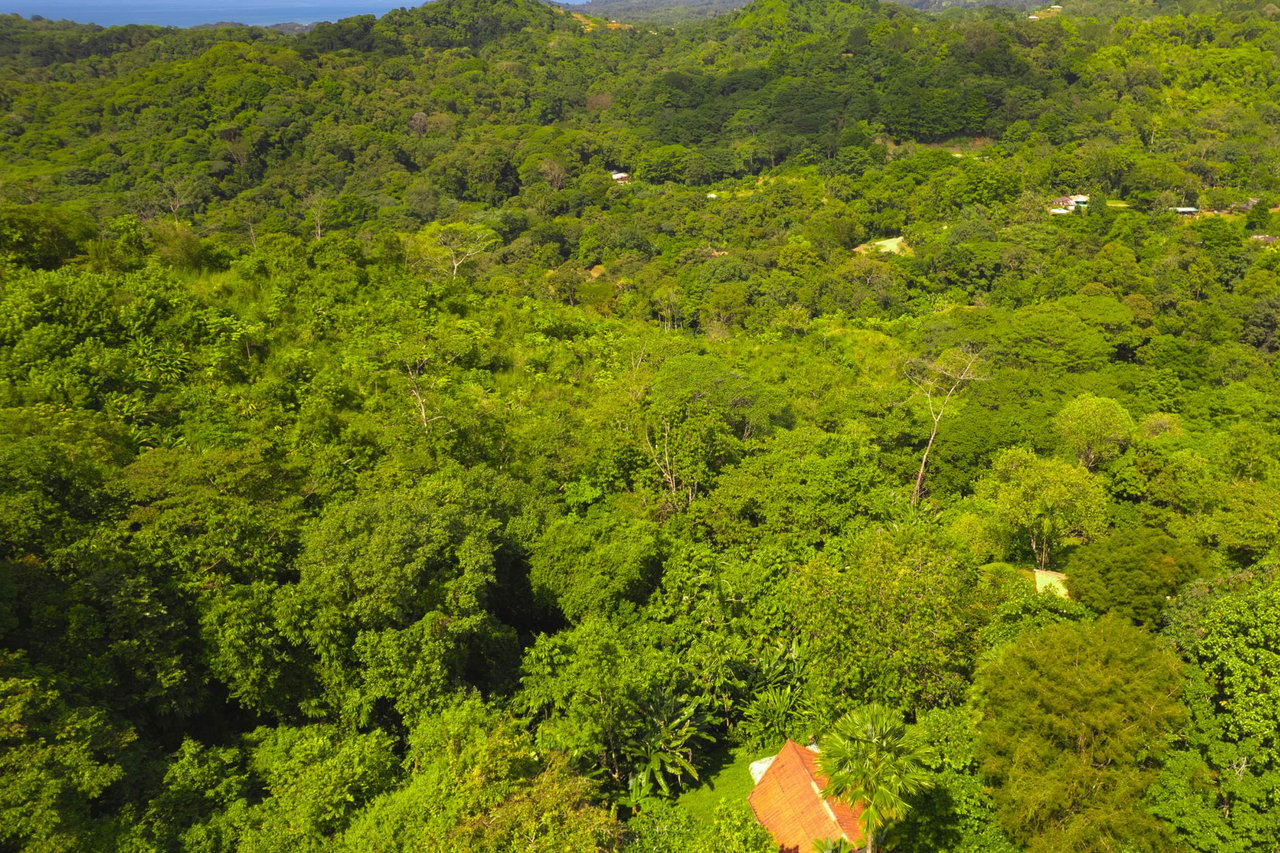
pixel 40 237
pixel 594 564
pixel 281 789
pixel 1132 572
pixel 955 813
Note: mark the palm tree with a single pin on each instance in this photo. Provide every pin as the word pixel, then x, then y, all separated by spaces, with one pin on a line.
pixel 869 757
pixel 831 845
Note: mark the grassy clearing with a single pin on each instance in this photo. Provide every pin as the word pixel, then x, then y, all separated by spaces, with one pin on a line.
pixel 893 245
pixel 960 147
pixel 1055 581
pixel 730 782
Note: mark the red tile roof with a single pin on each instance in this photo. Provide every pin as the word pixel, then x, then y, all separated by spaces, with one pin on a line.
pixel 788 802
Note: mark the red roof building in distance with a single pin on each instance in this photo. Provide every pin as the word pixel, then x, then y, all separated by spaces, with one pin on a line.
pixel 788 802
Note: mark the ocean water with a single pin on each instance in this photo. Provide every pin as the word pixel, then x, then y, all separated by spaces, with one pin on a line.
pixel 189 13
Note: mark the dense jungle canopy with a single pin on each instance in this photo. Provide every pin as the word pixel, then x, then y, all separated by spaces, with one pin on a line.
pixel 379 472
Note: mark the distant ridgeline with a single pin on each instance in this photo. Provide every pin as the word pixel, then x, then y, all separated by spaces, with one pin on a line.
pixel 384 116
pixel 654 12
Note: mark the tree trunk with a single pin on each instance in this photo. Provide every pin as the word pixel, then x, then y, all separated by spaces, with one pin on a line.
pixel 1040 548
pixel 918 491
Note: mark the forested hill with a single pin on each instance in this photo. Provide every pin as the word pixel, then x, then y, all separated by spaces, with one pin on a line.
pixel 671 12
pixel 382 470
pixel 654 12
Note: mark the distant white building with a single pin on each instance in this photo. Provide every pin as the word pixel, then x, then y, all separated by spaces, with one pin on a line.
pixel 621 177
pixel 1068 204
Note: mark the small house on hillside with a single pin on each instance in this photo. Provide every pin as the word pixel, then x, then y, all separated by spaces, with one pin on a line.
pixel 1243 206
pixel 621 177
pixel 788 801
pixel 1068 204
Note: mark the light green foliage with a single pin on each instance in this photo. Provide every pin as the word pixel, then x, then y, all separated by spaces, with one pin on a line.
pixel 57 759
pixel 1022 608
pixel 607 698
pixel 1075 722
pixel 203 802
pixel 284 789
pixel 686 445
pixel 891 618
pixel 392 591
pixel 1218 786
pixel 248 651
pixel 315 782
pixel 339 381
pixel 803 487
pixel 477 782
pixel 1095 429
pixel 697 414
pixel 445 250
pixel 1045 503
pixel 727 783
pixel 593 564
pixel 732 829
pixel 749 407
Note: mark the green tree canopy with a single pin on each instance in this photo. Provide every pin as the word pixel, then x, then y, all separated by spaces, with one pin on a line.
pixel 1075 722
pixel 1133 572
pixel 1095 429
pixel 1044 502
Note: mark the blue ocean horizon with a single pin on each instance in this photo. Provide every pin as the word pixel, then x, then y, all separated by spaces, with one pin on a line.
pixel 191 13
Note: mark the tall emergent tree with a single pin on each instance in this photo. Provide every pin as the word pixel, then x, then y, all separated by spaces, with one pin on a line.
pixel 449 247
pixel 938 381
pixel 871 759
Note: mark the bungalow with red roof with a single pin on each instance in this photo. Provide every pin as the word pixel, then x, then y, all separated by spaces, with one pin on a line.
pixel 788 801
